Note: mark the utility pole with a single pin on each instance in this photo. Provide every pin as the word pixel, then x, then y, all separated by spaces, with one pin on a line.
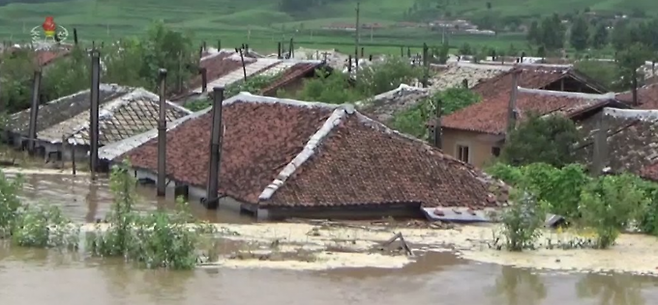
pixel 162 135
pixel 356 37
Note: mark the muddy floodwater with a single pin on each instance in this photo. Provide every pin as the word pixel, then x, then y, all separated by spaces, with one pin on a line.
pixel 30 276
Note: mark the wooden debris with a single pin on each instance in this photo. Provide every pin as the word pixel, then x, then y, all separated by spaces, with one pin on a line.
pixel 399 236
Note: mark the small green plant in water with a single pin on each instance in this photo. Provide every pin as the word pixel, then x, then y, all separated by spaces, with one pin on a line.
pixel 521 222
pixel 159 239
pixel 9 203
pixel 44 227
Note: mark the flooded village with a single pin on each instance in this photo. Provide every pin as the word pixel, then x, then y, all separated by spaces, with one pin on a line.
pixel 308 200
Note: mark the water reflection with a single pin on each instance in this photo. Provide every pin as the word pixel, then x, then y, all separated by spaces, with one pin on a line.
pixel 519 286
pixel 92 203
pixel 156 285
pixel 618 289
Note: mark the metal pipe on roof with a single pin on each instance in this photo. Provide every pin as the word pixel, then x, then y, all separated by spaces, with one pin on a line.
pixel 34 112
pixel 94 111
pixel 244 67
pixel 162 135
pixel 212 201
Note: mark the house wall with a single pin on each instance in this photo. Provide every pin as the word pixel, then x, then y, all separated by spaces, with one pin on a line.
pixel 345 213
pixel 480 145
pixel 81 151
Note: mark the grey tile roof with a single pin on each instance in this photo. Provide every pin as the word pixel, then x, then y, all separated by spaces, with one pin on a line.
pixel 385 105
pixel 125 117
pixel 632 144
pixel 53 114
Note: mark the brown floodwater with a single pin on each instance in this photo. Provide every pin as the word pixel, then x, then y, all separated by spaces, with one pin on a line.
pixel 37 276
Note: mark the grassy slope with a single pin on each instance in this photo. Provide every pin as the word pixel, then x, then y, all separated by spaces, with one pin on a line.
pixel 259 23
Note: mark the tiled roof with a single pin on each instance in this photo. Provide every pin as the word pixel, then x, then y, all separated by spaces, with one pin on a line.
pixel 280 152
pixel 490 115
pixel 647 97
pixel 55 112
pixel 532 77
pixel 632 144
pixel 454 75
pixel 217 65
pixel 125 117
pixel 289 75
pixel 385 105
pixel 124 112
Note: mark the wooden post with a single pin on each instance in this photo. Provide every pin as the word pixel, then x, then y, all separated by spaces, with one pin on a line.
pixel 219 45
pixel 75 36
pixel 426 65
pixel 94 111
pixel 279 49
pixel 600 152
pixel 34 112
pixel 162 136
pixel 511 109
pixel 291 53
pixel 211 201
pixel 436 130
pixel 244 67
pixel 204 79
pixel 73 169
pixel 349 64
pixel 179 75
pixel 356 35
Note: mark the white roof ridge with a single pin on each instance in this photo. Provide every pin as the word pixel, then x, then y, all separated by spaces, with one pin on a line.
pixel 591 96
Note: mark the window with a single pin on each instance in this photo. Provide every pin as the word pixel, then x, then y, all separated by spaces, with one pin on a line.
pixel 495 151
pixel 463 153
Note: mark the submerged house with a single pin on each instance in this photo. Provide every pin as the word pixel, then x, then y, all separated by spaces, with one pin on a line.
pixel 385 105
pixel 124 112
pixel 224 68
pixel 630 142
pixel 476 134
pixel 285 158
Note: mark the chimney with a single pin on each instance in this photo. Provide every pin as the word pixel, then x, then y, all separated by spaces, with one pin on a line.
pixel 600 145
pixel 511 109
pixel 212 201
pixel 436 129
pixel 94 111
pixel 34 112
pixel 204 79
pixel 162 135
pixel 75 36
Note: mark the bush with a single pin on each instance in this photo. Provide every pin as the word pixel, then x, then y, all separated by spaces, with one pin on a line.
pixel 44 227
pixel 522 222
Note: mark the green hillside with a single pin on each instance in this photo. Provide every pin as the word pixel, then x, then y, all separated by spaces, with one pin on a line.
pixel 262 23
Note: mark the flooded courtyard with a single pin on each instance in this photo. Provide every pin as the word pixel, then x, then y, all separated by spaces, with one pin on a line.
pixel 36 276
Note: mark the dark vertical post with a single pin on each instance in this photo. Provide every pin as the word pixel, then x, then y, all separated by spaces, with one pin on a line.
pixel 370 57
pixel 200 53
pixel 219 45
pixel 179 75
pixel 511 109
pixel 204 79
pixel 279 47
pixel 34 112
pixel 75 36
pixel 600 145
pixel 162 135
pixel 73 165
pixel 212 201
pixel 94 111
pixel 291 53
pixel 244 67
pixel 356 35
pixel 426 65
pixel 349 64
pixel 436 132
pixel 362 51
pixel 634 88
pixel 408 51
pixel 205 46
pixel 401 51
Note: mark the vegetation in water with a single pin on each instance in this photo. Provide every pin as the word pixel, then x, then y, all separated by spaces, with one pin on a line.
pixel 157 239
pixel 605 205
pixel 521 222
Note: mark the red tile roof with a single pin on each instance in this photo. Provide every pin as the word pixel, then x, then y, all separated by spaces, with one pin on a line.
pixel 490 115
pixel 532 77
pixel 650 172
pixel 647 97
pixel 323 155
pixel 294 73
pixel 216 67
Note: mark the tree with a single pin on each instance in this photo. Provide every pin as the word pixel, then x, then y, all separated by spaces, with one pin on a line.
pixel 547 139
pixel 466 49
pixel 620 36
pixel 16 80
pixel 412 121
pixel 628 62
pixel 534 33
pixel 600 37
pixel 579 37
pixel 381 77
pixel 552 32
